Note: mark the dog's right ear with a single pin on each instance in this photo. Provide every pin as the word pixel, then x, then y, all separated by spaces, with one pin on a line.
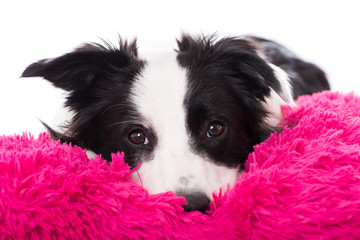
pixel 71 71
pixel 78 69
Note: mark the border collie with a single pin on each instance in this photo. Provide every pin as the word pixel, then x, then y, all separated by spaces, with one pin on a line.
pixel 188 116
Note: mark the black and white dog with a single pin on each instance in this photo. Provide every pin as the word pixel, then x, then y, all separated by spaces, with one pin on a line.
pixel 189 116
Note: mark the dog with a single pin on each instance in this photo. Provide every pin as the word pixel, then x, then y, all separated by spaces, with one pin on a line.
pixel 189 116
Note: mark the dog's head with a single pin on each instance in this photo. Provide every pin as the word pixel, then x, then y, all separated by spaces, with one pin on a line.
pixel 189 116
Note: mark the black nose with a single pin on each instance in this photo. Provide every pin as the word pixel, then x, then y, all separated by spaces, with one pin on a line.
pixel 197 201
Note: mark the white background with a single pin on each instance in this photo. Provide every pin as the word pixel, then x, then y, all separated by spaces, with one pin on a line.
pixel 323 31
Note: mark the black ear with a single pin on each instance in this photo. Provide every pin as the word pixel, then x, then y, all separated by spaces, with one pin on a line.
pixel 70 72
pixel 78 69
pixel 257 76
pixel 248 72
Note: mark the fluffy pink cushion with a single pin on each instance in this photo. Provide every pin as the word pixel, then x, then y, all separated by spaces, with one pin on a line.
pixel 301 184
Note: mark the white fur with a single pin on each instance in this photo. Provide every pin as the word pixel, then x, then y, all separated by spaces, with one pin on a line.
pixel 275 101
pixel 90 154
pixel 286 89
pixel 159 95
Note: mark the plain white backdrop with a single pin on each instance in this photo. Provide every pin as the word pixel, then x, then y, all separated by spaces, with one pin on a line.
pixel 325 32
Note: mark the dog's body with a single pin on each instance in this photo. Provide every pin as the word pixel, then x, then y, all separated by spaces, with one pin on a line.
pixel 190 117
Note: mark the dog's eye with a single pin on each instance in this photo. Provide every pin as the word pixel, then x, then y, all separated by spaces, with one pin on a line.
pixel 138 137
pixel 215 129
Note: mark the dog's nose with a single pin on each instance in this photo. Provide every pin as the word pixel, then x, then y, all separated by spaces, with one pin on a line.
pixel 197 201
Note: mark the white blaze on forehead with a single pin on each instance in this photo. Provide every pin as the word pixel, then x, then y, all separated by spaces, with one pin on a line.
pixel 159 97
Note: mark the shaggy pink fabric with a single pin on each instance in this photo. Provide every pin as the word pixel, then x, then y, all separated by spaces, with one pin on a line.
pixel 301 184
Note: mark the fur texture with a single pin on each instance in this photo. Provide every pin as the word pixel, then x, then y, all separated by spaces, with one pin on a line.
pixel 303 183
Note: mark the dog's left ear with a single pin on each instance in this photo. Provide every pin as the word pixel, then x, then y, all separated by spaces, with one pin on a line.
pixel 249 73
pixel 78 69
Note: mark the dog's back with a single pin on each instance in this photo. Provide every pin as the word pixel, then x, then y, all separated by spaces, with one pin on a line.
pixel 306 78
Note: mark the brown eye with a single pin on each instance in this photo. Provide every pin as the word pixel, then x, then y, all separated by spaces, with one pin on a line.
pixel 215 129
pixel 138 137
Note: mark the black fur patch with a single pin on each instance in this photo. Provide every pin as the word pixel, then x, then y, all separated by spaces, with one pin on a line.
pixel 228 82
